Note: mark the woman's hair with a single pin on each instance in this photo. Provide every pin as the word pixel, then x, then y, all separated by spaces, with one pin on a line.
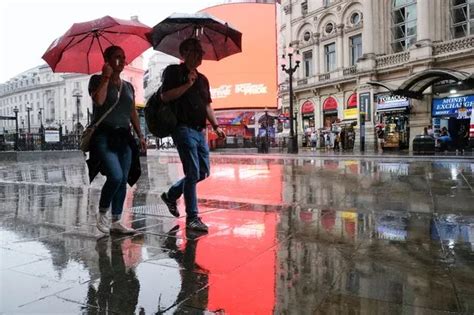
pixel 109 51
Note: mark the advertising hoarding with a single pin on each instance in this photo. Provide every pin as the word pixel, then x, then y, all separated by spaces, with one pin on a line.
pixel 247 79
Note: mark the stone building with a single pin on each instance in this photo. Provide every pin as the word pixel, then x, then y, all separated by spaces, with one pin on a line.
pixel 344 44
pixel 54 99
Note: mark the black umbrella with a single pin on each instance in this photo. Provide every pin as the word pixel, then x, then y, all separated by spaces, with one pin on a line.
pixel 218 39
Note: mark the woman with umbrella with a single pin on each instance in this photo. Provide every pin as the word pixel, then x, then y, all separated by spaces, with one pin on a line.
pixel 113 143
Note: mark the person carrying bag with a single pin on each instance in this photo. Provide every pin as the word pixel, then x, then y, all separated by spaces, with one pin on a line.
pixel 89 131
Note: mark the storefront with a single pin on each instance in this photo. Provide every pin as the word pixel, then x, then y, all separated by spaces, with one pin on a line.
pixel 307 118
pixel 454 114
pixel 329 112
pixel 392 114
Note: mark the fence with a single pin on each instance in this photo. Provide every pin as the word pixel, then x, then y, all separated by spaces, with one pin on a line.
pixel 36 142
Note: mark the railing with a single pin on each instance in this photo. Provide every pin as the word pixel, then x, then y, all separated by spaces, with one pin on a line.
pixel 393 59
pixel 302 81
pixel 36 142
pixel 349 71
pixel 454 45
pixel 325 76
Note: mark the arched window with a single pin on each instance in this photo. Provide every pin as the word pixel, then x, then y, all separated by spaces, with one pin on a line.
pixel 462 18
pixel 403 24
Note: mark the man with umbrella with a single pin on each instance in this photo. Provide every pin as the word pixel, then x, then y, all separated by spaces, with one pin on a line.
pixel 190 93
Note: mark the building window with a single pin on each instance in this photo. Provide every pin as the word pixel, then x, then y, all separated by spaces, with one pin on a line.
pixel 403 24
pixel 308 63
pixel 304 7
pixel 330 57
pixel 462 18
pixel 356 48
pixel 306 36
pixel 326 2
pixel 355 18
pixel 329 28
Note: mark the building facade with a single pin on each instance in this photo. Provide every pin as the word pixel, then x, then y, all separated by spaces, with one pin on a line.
pixel 54 100
pixel 345 44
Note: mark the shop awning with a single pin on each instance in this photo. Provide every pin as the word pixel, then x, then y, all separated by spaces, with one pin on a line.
pixel 330 104
pixel 414 86
pixel 307 107
pixel 352 101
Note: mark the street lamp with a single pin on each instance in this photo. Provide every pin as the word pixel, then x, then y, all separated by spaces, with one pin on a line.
pixel 77 94
pixel 40 116
pixel 15 110
pixel 28 109
pixel 292 141
pixel 267 144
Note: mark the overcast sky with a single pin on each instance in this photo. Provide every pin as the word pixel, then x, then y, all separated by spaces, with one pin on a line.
pixel 27 27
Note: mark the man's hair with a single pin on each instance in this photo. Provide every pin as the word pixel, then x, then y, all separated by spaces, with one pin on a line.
pixel 189 43
pixel 110 51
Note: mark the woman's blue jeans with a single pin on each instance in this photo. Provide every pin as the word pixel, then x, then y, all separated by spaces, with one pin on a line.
pixel 194 154
pixel 115 165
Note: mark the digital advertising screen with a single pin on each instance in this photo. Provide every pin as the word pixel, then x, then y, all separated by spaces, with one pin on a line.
pixel 246 80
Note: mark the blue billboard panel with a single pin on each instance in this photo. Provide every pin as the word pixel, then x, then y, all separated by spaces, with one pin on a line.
pixel 449 106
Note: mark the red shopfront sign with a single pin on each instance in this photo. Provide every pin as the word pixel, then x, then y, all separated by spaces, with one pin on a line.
pixel 352 101
pixel 330 104
pixel 307 107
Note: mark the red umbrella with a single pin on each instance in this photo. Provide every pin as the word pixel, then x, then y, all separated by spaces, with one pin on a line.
pixel 80 49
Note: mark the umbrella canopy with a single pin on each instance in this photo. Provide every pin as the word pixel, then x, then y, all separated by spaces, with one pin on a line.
pixel 218 39
pixel 80 49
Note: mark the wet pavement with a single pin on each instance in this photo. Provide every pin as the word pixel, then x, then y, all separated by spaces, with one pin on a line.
pixel 288 235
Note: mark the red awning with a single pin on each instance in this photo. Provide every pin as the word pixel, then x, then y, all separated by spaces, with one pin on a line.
pixel 352 101
pixel 307 107
pixel 330 104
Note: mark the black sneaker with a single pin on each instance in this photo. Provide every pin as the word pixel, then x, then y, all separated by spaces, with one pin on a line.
pixel 172 206
pixel 197 225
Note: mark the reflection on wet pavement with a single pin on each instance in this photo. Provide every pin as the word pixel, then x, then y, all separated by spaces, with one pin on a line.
pixel 287 236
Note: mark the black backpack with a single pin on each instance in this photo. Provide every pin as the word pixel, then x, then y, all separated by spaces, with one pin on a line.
pixel 160 117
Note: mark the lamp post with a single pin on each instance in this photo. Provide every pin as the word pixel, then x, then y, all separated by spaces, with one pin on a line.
pixel 40 116
pixel 77 94
pixel 267 144
pixel 290 70
pixel 28 110
pixel 15 110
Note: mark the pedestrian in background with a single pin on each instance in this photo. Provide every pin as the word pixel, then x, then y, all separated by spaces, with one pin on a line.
pixel 190 92
pixel 112 145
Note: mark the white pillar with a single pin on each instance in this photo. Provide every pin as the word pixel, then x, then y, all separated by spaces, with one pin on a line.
pixel 424 24
pixel 340 46
pixel 317 53
pixel 368 30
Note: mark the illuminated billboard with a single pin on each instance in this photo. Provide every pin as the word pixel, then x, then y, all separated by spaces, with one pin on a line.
pixel 247 79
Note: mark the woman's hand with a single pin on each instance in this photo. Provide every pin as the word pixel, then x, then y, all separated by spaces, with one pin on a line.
pixel 142 144
pixel 107 70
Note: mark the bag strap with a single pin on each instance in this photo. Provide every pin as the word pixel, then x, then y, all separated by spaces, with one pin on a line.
pixel 111 108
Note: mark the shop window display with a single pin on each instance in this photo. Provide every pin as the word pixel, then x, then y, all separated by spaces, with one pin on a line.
pixel 396 131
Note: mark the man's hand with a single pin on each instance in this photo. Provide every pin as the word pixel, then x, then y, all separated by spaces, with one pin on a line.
pixel 220 133
pixel 192 76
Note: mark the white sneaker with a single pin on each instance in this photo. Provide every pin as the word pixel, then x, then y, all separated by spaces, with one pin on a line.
pixel 103 222
pixel 118 227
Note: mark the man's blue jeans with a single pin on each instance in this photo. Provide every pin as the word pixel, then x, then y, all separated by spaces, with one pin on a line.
pixel 194 154
pixel 115 165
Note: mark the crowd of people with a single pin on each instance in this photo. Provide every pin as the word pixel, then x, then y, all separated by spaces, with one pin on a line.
pixel 330 139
